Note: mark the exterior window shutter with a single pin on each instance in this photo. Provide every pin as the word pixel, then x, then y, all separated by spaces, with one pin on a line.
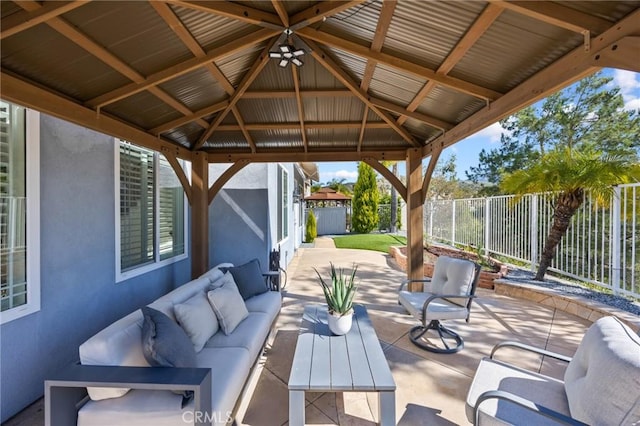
pixel 136 206
pixel 171 217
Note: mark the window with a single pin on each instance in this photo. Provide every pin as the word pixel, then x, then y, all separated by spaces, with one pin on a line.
pixel 152 225
pixel 283 203
pixel 19 211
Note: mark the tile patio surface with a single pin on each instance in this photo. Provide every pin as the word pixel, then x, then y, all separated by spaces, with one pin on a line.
pixel 431 388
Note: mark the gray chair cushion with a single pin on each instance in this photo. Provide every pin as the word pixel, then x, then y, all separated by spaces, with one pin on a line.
pixel 602 380
pixel 164 343
pixel 227 304
pixel 248 277
pixel 496 375
pixel 453 276
pixel 438 309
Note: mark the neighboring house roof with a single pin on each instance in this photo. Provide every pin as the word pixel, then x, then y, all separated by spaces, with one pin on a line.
pixel 310 170
pixel 327 194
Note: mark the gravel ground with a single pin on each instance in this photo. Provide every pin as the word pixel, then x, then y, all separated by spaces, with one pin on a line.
pixel 524 276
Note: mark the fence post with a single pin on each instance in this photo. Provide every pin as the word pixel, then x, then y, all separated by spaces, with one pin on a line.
pixel 487 224
pixel 616 259
pixel 453 222
pixel 533 231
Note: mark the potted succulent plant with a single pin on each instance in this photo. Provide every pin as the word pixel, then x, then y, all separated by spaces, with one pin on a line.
pixel 339 295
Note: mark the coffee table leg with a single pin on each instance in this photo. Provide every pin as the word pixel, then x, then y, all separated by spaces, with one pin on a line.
pixel 296 408
pixel 387 408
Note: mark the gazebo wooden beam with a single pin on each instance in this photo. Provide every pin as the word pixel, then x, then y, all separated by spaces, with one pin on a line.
pixel 572 67
pixel 173 124
pixel 21 21
pixel 278 5
pixel 233 11
pixel 296 85
pixel 295 156
pixel 398 63
pixel 182 68
pixel 427 119
pixel 179 171
pixel 243 128
pixel 345 79
pixel 246 81
pixel 224 178
pixel 321 11
pixel 477 29
pixel 296 126
pixel 321 93
pixel 386 173
pixel 415 225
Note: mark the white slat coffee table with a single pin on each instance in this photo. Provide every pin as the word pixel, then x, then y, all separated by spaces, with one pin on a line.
pixel 350 363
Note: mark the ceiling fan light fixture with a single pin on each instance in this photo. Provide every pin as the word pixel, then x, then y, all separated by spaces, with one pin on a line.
pixel 283 63
pixel 275 55
pixel 285 48
pixel 298 52
pixel 297 62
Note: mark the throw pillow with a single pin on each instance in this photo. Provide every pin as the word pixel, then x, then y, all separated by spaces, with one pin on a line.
pixel 197 319
pixel 249 279
pixel 228 304
pixel 164 343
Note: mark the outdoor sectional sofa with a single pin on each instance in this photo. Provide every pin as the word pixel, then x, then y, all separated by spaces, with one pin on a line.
pixel 157 395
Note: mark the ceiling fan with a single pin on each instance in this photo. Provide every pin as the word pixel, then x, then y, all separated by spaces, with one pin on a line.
pixel 287 53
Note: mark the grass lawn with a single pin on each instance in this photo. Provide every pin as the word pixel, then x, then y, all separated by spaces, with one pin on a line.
pixel 377 242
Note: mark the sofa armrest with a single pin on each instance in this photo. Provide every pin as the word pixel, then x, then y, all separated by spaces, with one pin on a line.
pixel 524 403
pixel 528 348
pixel 65 390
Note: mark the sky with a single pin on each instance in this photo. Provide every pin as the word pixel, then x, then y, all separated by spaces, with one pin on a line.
pixel 468 150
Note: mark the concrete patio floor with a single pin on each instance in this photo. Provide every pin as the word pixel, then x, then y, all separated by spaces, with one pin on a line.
pixel 431 388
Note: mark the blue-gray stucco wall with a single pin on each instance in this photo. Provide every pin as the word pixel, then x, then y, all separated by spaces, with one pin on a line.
pixel 79 295
pixel 238 227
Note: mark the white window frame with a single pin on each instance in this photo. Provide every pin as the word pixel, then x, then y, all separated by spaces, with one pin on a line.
pixel 283 176
pixel 157 263
pixel 32 130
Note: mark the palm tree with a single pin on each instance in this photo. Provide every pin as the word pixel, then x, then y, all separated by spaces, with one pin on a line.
pixel 571 173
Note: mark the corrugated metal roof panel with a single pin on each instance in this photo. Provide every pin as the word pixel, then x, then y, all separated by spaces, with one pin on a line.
pixel 393 85
pixel 292 6
pixel 46 57
pixel 418 129
pixel 212 30
pixel 314 76
pixel 143 109
pixel 142 38
pixel 445 103
pixel 273 110
pixel 515 43
pixel 227 140
pixel 426 31
pixel 372 117
pixel 376 138
pixel 354 65
pixel 196 89
pixel 234 67
pixel 610 10
pixel 8 8
pixel 358 21
pixel 282 138
pixel 333 137
pixel 332 109
pixel 274 77
pixel 185 135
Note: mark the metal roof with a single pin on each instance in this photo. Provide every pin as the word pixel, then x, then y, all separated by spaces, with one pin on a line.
pixel 379 77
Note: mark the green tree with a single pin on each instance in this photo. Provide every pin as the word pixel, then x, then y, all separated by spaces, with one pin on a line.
pixel 570 172
pixel 339 185
pixel 445 184
pixel 365 200
pixel 393 220
pixel 588 113
pixel 311 229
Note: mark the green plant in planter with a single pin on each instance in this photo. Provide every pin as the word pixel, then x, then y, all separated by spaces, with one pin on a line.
pixel 340 291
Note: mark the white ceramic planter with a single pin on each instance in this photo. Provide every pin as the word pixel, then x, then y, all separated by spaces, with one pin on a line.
pixel 340 325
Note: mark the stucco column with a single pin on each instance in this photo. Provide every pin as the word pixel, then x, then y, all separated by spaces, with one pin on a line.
pixel 199 214
pixel 415 254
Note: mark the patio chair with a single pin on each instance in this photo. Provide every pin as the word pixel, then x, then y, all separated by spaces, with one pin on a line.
pixel 445 296
pixel 600 387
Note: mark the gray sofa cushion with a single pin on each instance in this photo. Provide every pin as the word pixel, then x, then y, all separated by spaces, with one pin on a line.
pixel 228 304
pixel 250 334
pixel 268 303
pixel 248 277
pixel 164 343
pixel 197 319
pixel 602 380
pixel 496 375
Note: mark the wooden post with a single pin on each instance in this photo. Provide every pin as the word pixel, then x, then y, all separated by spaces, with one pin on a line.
pixel 415 254
pixel 199 214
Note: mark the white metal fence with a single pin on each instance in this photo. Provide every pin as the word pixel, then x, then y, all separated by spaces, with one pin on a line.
pixel 600 247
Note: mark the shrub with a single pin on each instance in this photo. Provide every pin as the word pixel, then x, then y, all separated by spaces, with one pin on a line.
pixel 311 231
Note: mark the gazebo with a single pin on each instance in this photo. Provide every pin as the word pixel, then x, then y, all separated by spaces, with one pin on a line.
pixel 303 81
pixel 327 197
